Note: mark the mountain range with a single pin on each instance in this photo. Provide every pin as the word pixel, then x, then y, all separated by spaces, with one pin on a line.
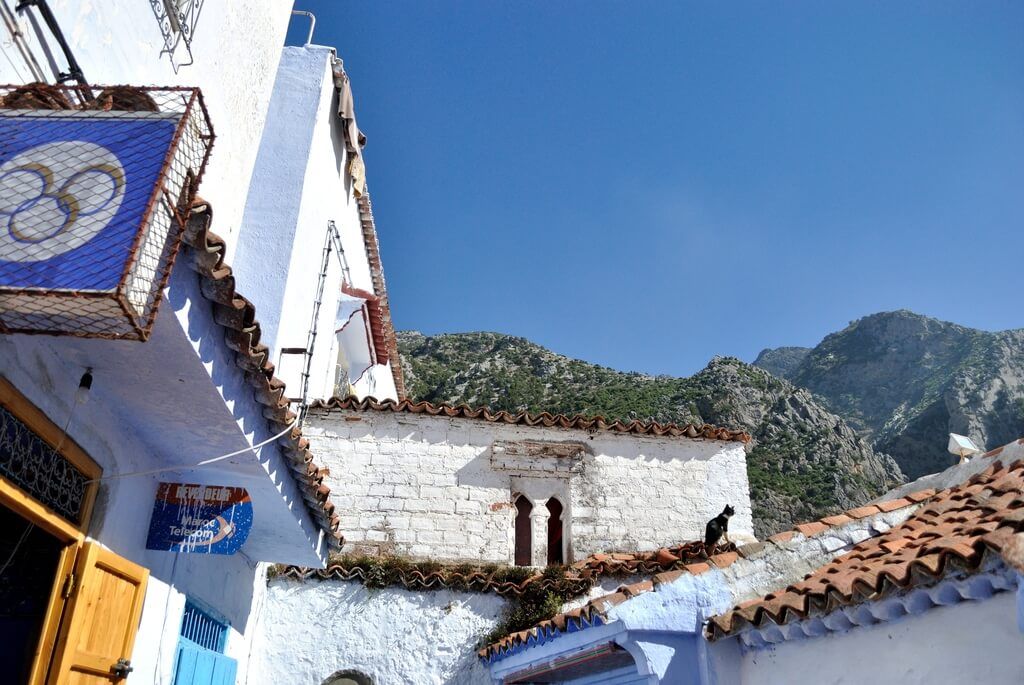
pixel 833 426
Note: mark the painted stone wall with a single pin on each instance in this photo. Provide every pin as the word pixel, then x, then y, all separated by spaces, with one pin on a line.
pixel 310 630
pixel 443 488
pixel 970 642
pixel 298 186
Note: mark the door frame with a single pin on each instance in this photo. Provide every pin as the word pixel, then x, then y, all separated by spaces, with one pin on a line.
pixel 71 534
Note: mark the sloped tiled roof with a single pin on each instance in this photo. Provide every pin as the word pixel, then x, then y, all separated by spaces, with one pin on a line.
pixel 385 329
pixel 956 531
pixel 375 314
pixel 242 334
pixel 462 411
pixel 595 611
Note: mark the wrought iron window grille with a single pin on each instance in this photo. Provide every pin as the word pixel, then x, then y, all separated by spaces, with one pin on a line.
pixel 37 468
pixel 177 20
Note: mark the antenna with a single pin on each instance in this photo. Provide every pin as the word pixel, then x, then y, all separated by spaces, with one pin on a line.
pixel 962 446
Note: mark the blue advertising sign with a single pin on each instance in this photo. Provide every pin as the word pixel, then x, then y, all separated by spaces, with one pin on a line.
pixel 74 191
pixel 199 519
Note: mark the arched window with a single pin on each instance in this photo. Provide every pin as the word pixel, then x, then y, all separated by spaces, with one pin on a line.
pixel 348 677
pixel 524 545
pixel 555 555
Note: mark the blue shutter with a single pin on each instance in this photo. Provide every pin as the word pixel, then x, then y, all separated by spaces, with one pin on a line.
pixel 199 660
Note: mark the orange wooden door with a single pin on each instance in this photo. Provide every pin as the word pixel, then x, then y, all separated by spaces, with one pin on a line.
pixel 100 619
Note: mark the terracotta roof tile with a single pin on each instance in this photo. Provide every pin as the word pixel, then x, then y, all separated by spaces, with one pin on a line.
pixel 920 495
pixel 893 505
pixel 242 335
pixel 723 560
pixel 462 411
pixel 953 529
pixel 813 528
pixel 863 512
pixel 783 537
pixel 688 559
pixel 837 520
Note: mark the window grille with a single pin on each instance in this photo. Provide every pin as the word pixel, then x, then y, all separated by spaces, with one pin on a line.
pixel 201 644
pixel 31 464
pixel 177 20
pixel 202 629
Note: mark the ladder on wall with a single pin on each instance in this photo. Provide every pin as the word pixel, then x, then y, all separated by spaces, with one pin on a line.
pixel 332 243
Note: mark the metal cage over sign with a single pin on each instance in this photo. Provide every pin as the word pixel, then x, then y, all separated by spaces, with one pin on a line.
pixel 94 189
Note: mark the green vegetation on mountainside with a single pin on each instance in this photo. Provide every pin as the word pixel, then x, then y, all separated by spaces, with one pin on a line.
pixel 804 463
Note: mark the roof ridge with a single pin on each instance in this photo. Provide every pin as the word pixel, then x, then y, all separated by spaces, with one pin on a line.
pixel 380 288
pixel 575 421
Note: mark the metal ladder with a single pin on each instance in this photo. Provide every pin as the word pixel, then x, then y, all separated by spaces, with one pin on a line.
pixel 332 243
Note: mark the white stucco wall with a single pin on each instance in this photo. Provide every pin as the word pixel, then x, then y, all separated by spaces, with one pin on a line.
pixel 236 47
pixel 120 519
pixel 299 184
pixel 969 642
pixel 427 486
pixel 312 629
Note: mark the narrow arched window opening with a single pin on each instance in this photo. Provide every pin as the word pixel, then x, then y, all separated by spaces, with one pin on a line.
pixel 555 553
pixel 524 545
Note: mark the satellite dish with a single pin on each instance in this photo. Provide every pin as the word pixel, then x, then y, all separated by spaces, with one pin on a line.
pixel 962 446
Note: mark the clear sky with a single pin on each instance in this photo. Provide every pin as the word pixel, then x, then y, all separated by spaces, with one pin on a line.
pixel 646 185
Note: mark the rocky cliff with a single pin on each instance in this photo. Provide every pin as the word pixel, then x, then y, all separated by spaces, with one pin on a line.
pixel 804 462
pixel 904 381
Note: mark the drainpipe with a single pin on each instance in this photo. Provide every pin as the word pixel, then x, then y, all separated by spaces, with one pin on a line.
pixel 312 23
pixel 19 40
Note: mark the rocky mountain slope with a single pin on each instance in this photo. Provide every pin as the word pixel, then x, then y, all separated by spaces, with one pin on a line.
pixel 805 462
pixel 781 361
pixel 904 381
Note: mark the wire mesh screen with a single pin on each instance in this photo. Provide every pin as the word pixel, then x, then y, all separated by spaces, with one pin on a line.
pixel 94 192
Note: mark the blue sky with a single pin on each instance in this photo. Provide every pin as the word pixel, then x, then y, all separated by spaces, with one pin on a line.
pixel 646 185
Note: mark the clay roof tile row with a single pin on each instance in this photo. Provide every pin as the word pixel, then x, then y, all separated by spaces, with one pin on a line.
pixel 955 529
pixel 545 419
pixel 242 335
pixel 382 328
pixel 595 611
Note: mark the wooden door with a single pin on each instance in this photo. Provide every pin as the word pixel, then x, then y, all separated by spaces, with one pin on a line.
pixel 100 619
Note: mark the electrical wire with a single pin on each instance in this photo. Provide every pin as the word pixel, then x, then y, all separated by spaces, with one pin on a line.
pixel 17 546
pixel 17 72
pixel 204 462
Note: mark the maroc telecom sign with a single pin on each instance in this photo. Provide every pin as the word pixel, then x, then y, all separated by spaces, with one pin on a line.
pixel 199 519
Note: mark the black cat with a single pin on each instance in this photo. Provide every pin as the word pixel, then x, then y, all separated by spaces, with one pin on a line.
pixel 717 529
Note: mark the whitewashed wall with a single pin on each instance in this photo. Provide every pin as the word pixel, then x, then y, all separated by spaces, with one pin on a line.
pixel 236 48
pixel 426 486
pixel 299 184
pixel 310 630
pixel 970 642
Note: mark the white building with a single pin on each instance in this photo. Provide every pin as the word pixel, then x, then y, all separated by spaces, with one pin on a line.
pixel 901 591
pixel 168 376
pixel 459 484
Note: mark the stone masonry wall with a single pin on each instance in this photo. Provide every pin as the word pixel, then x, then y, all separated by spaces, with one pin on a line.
pixel 442 488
